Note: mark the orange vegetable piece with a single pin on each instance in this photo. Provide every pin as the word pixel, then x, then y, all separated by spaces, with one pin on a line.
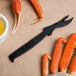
pixel 38 9
pixel 45 69
pixel 17 9
pixel 62 61
pixel 67 54
pixel 57 55
pixel 72 66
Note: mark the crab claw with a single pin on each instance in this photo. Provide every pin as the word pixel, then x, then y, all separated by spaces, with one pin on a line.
pixel 38 10
pixel 17 9
pixel 68 52
pixel 72 66
pixel 57 55
pixel 45 71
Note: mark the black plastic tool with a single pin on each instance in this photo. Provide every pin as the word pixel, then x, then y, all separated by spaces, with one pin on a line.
pixel 47 31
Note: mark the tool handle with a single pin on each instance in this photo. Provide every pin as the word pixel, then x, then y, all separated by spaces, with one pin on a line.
pixel 27 46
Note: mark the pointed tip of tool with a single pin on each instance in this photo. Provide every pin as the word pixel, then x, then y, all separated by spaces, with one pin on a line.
pixel 66 21
pixel 65 17
pixel 72 18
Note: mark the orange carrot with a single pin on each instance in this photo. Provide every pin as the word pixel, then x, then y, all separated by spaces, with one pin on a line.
pixel 57 55
pixel 45 71
pixel 72 66
pixel 17 9
pixel 67 54
pixel 38 9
